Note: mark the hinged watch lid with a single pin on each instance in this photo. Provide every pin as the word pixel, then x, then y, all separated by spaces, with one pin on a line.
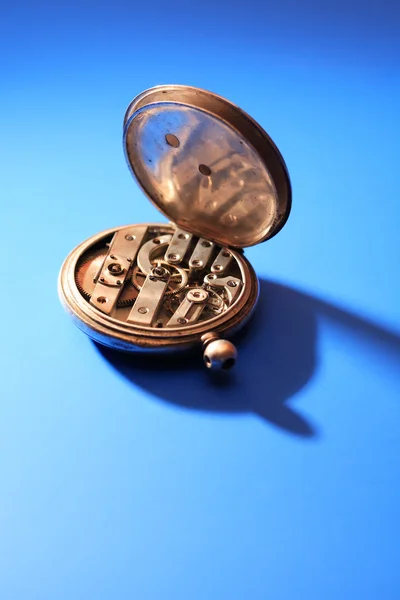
pixel 207 165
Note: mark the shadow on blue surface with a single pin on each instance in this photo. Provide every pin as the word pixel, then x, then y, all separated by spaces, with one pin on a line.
pixel 278 357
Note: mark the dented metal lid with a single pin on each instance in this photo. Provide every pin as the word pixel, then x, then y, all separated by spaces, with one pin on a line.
pixel 206 165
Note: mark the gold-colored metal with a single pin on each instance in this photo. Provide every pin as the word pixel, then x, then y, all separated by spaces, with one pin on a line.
pixel 223 184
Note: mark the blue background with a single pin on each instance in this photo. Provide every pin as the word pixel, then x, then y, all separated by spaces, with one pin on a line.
pixel 151 481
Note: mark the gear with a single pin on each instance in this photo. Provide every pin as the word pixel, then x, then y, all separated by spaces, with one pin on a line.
pixel 86 272
pixel 179 280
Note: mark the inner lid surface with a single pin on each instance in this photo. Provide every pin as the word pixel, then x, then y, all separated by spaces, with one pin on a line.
pixel 203 173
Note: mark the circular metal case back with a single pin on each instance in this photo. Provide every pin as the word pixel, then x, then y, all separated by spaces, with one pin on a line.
pixel 207 165
pixel 223 184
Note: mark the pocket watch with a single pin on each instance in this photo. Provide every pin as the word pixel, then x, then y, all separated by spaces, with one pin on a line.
pixel 223 185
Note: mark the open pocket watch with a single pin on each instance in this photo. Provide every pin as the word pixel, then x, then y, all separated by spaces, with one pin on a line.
pixel 223 185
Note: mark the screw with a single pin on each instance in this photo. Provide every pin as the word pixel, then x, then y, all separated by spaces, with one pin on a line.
pixel 128 258
pixel 182 320
pixel 232 283
pixel 113 257
pixel 130 238
pixel 119 282
pixel 173 257
pixel 199 295
pixel 101 278
pixel 197 263
pixel 159 272
pixel 143 310
pixel 115 269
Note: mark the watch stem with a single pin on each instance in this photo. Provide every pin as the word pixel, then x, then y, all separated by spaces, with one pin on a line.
pixel 218 354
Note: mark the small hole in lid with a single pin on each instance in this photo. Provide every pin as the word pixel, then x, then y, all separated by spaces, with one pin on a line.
pixel 204 170
pixel 172 140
